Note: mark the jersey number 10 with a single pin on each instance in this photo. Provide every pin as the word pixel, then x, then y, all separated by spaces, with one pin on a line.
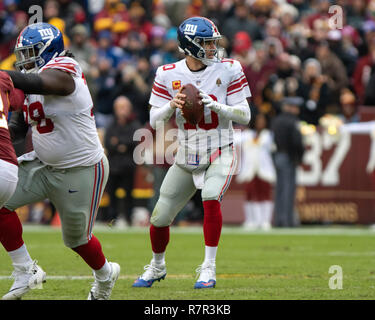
pixel 202 124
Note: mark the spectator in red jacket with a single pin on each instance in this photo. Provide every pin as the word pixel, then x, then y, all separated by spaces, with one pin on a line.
pixel 362 73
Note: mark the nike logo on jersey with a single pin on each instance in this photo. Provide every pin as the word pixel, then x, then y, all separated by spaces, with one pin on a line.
pixel 72 191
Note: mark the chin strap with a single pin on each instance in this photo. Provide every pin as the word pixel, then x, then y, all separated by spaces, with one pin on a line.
pixel 66 53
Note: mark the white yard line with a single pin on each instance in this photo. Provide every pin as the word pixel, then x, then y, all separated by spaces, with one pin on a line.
pixel 169 276
pixel 122 277
pixel 318 230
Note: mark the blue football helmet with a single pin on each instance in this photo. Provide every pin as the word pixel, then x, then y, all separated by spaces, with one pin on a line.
pixel 192 35
pixel 36 45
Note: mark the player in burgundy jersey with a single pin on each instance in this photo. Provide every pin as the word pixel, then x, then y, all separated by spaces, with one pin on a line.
pixel 8 159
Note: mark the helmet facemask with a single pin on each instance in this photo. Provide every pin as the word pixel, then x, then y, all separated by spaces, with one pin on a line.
pixel 206 54
pixel 29 59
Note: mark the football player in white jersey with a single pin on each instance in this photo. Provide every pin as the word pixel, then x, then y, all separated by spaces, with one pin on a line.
pixel 67 166
pixel 206 157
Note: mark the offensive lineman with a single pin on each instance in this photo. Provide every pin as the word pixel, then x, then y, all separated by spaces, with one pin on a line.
pixel 67 166
pixel 206 157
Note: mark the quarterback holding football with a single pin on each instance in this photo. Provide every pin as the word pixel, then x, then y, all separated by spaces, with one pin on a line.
pixel 205 157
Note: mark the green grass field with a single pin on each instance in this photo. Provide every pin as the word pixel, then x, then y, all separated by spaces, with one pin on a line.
pixel 281 264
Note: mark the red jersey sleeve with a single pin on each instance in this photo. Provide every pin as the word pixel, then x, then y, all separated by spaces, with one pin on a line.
pixel 7 152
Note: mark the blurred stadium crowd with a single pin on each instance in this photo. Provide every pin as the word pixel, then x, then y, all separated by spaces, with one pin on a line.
pixel 286 48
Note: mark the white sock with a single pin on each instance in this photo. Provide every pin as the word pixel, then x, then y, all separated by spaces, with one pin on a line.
pixel 104 272
pixel 20 256
pixel 249 212
pixel 159 258
pixel 210 254
pixel 268 209
pixel 263 216
pixel 258 213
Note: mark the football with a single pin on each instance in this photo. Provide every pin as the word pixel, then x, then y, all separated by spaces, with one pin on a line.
pixel 193 107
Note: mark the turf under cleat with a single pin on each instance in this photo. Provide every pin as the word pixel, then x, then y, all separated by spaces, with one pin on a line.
pixel 207 276
pixel 154 272
pixel 26 277
pixel 102 289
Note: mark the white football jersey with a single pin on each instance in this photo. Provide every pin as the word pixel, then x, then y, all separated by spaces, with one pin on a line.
pixel 225 82
pixel 64 133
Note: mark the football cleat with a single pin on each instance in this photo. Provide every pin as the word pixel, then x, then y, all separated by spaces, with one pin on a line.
pixel 154 272
pixel 102 289
pixel 207 276
pixel 26 277
pixel 266 226
pixel 249 226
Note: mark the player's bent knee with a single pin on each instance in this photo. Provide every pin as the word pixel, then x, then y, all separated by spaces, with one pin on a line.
pixel 73 239
pixel 210 195
pixel 72 243
pixel 163 215
pixel 160 221
pixel 74 230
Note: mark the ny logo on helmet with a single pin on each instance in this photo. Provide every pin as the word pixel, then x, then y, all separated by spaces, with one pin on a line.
pixel 46 33
pixel 190 29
